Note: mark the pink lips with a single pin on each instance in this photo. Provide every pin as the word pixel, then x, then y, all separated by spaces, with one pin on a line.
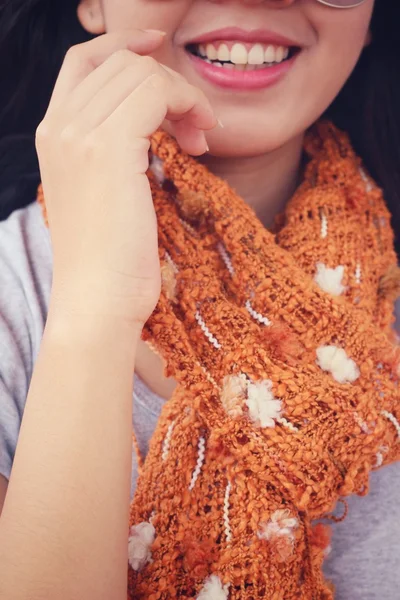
pixel 243 80
pixel 261 36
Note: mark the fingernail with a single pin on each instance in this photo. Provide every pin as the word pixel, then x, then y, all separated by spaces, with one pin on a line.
pixel 207 148
pixel 155 31
pixel 220 123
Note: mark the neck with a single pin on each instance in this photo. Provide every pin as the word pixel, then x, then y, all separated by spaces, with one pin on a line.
pixel 265 182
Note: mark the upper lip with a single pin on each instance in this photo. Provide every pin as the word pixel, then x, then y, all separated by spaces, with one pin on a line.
pixel 236 34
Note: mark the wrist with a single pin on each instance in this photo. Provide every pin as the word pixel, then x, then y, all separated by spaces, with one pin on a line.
pixel 93 322
pixel 97 304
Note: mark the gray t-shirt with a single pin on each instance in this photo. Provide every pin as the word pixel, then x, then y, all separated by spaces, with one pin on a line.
pixel 365 560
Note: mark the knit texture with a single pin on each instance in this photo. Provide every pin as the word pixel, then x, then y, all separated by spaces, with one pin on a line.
pixel 288 377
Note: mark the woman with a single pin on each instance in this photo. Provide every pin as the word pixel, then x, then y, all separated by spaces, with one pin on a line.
pixel 238 85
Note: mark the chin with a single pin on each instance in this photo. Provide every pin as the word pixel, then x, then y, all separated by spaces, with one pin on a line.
pixel 242 142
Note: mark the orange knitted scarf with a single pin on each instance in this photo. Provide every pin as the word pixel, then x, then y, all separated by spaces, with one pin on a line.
pixel 288 377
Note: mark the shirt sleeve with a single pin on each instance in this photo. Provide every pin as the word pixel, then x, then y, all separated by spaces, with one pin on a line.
pixel 25 282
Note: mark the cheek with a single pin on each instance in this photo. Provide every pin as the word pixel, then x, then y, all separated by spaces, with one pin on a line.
pixel 341 41
pixel 327 65
pixel 144 14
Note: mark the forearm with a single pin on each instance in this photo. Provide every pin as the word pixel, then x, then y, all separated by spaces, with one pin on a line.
pixel 64 527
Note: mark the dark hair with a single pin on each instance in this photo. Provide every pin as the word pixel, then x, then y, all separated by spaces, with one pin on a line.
pixel 35 35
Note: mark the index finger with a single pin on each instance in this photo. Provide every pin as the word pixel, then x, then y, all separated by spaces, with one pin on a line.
pixel 82 59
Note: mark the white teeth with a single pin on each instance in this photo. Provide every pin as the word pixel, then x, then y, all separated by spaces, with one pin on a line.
pixel 223 53
pixel 211 52
pixel 256 55
pixel 238 54
pixel 279 54
pixel 269 55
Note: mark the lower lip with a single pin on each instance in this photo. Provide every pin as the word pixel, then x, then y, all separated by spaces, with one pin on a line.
pixel 242 80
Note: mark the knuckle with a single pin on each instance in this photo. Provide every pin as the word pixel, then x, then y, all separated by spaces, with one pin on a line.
pixel 156 82
pixel 69 135
pixel 123 56
pixel 78 56
pixel 42 133
pixel 93 144
pixel 74 53
pixel 174 74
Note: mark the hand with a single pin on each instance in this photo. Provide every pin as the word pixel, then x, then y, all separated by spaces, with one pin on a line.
pixel 93 153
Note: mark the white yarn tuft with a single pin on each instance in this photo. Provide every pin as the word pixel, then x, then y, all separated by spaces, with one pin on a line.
pixel 213 340
pixel 213 589
pixel 200 461
pixel 281 524
pixel 336 361
pixel 264 409
pixel 330 280
pixel 233 393
pixel 140 540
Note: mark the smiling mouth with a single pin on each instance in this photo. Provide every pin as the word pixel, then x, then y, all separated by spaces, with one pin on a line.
pixel 239 56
